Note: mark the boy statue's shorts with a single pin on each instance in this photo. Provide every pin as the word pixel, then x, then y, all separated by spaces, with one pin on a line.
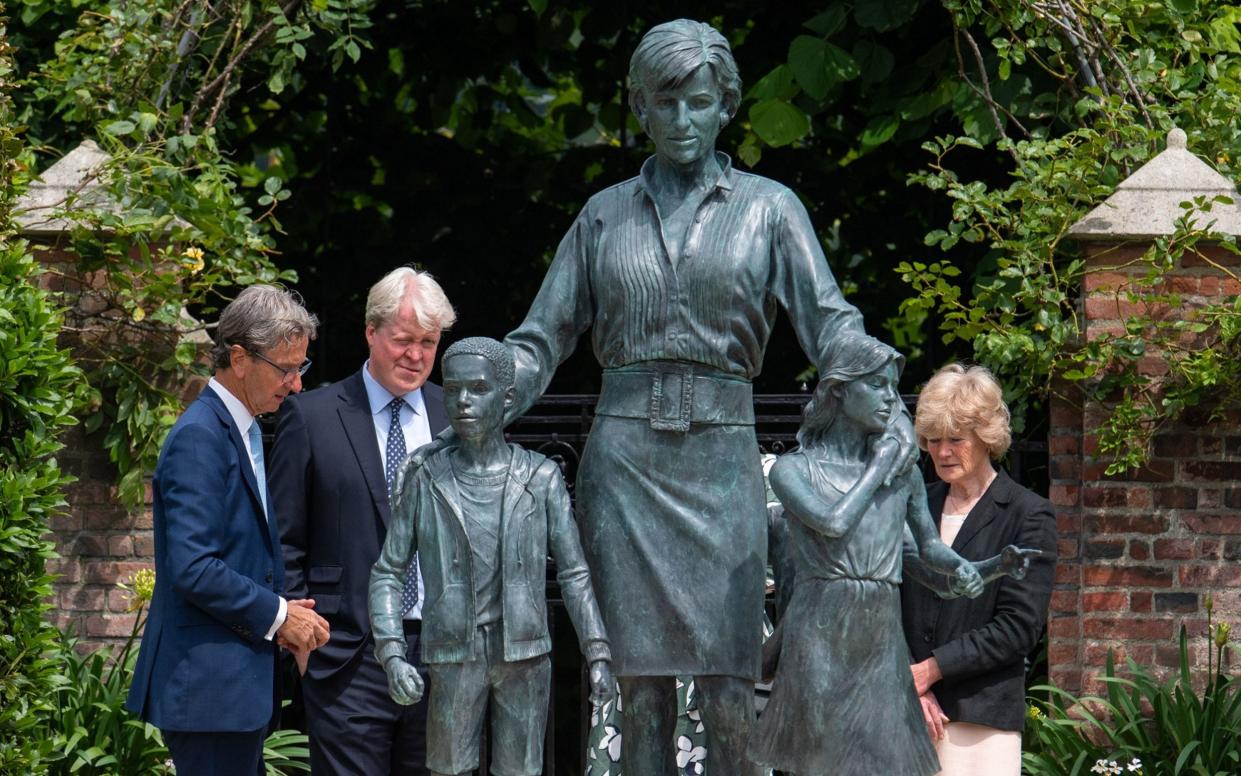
pixel 460 692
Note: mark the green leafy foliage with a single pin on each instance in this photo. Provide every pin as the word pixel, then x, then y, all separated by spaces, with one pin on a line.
pixel 1170 726
pixel 90 732
pixel 171 223
pixel 39 388
pixel 1100 85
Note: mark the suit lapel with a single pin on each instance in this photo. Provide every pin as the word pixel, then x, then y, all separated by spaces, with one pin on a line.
pixel 433 403
pixel 209 397
pixel 355 416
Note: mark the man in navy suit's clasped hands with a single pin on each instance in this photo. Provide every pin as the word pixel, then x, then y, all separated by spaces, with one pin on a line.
pixel 206 671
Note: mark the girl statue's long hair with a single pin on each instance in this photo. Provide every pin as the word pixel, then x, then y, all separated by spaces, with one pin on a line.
pixel 850 356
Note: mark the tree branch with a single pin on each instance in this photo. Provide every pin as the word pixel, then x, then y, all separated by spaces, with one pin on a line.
pixel 219 85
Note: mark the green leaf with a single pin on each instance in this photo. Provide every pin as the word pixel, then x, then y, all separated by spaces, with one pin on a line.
pixel 883 15
pixel 777 122
pixel 875 61
pixel 808 61
pixel 121 127
pixel 879 131
pixel 818 65
pixel 750 152
pixel 538 6
pixel 1184 6
pixel 828 23
pixel 778 83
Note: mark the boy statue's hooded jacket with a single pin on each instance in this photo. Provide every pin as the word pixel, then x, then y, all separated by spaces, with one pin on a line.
pixel 535 517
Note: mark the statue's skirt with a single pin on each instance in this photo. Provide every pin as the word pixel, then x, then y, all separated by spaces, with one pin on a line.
pixel 843 701
pixel 674 527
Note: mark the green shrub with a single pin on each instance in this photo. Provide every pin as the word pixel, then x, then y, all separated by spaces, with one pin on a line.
pixel 89 731
pixel 1168 727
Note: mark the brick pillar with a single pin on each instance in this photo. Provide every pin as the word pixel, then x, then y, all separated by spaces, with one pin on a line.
pixel 1141 551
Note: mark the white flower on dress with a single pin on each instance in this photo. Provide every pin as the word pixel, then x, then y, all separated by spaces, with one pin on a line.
pixel 611 741
pixel 690 757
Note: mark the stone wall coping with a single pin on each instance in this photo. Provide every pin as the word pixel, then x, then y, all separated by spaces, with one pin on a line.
pixel 1147 204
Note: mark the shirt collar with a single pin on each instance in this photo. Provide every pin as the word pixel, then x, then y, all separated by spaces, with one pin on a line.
pixel 723 184
pixel 240 415
pixel 379 398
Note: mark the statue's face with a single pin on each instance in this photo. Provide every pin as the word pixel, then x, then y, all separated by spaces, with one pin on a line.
pixel 872 400
pixel 473 398
pixel 685 119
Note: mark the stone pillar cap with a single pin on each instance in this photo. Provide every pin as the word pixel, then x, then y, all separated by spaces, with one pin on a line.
pixel 1147 204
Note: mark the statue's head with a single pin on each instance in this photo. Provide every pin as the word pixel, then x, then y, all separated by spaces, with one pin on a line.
pixel 852 357
pixel 670 55
pixel 478 385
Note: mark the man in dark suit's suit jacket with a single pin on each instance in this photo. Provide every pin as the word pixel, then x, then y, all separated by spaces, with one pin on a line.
pixel 205 674
pixel 328 482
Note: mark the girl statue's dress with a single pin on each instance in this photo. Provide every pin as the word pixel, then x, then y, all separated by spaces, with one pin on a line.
pixel 843 702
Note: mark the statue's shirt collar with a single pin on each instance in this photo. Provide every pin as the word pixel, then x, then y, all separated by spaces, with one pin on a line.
pixel 723 184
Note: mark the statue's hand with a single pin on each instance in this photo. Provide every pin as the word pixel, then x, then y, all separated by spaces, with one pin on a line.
pixel 967 582
pixel 602 683
pixel 404 684
pixel 1015 561
pixel 901 429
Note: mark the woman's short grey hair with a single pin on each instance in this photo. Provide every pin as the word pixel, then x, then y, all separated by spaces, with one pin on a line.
pixel 956 401
pixel 492 350
pixel 408 286
pixel 672 52
pixel 259 319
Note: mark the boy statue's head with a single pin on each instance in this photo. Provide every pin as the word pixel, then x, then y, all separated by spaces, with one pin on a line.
pixel 478 385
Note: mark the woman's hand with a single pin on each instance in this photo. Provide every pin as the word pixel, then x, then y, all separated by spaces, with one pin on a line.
pixel 926 674
pixel 933 715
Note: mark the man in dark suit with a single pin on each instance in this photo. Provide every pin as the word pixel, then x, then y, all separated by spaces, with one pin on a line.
pixel 335 457
pixel 205 674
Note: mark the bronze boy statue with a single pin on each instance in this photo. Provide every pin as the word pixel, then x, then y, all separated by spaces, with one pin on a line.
pixel 483 515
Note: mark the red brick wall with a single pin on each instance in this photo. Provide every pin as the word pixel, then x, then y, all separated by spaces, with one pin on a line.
pixel 100 542
pixel 1140 552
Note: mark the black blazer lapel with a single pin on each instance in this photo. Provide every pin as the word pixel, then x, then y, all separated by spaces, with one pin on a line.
pixel 355 416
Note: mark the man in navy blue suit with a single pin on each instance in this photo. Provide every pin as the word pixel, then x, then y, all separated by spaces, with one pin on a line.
pixel 336 452
pixel 206 668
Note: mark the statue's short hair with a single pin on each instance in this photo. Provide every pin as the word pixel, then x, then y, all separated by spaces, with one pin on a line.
pixel 495 352
pixel 408 286
pixel 672 52
pixel 261 318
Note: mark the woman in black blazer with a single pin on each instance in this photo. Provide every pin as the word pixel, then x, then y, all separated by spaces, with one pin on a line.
pixel 968 655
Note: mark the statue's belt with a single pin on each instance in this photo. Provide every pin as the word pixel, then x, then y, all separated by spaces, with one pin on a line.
pixel 672 396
